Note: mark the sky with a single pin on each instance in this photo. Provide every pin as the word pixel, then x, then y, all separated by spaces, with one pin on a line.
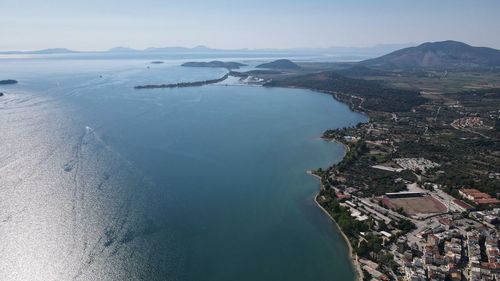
pixel 232 24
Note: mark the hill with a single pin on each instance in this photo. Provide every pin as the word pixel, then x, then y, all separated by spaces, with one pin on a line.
pixel 445 55
pixel 279 64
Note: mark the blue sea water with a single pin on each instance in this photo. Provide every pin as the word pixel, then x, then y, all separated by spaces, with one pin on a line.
pixel 99 181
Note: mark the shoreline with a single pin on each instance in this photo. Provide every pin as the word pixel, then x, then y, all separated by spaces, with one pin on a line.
pixel 359 275
pixel 353 257
pixel 358 272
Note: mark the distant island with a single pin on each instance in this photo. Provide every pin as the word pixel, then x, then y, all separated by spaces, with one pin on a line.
pixel 279 64
pixel 157 62
pixel 8 82
pixel 219 64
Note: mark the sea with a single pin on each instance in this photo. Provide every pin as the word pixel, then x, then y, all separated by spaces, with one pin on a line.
pixel 99 181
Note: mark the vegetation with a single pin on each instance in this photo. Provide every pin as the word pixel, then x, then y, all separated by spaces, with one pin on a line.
pixel 371 243
pixel 405 225
pixel 220 64
pixel 279 64
pixel 346 222
pixel 360 94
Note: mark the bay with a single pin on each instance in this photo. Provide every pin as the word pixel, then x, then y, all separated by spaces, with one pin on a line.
pixel 99 181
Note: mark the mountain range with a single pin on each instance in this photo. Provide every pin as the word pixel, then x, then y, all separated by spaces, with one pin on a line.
pixel 443 55
pixel 365 51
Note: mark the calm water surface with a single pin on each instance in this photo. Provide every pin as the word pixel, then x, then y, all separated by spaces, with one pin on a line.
pixel 99 181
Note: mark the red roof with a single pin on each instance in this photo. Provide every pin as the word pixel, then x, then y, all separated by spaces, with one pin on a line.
pixel 469 190
pixel 463 204
pixel 489 201
pixel 342 196
pixel 476 194
pixel 490 265
pixel 480 195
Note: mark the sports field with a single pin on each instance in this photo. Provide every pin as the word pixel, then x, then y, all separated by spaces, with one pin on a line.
pixel 417 205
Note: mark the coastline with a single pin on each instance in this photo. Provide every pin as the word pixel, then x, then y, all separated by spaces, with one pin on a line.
pixel 353 257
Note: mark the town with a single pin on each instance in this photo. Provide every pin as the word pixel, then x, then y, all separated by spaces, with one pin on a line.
pixel 410 209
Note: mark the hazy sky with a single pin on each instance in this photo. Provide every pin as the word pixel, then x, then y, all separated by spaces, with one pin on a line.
pixel 102 24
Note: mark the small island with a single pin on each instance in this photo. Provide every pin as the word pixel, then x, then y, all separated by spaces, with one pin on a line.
pixel 1 94
pixel 157 62
pixel 215 64
pixel 8 82
pixel 279 64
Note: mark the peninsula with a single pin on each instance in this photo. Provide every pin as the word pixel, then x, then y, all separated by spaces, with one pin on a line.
pixel 184 84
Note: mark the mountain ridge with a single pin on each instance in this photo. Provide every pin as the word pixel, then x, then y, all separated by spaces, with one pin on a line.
pixel 437 55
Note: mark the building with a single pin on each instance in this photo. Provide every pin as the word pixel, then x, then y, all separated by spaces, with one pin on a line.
pixel 386 234
pixel 487 202
pixel 342 196
pixel 461 205
pixel 472 194
pixel 478 197
pixel 404 194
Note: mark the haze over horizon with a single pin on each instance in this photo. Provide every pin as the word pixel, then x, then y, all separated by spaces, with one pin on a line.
pixel 94 26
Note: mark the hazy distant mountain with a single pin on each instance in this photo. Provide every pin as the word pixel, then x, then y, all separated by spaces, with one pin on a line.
pixel 181 49
pixel 357 52
pixel 438 55
pixel 45 51
pixel 55 51
pixel 279 64
pixel 166 49
pixel 122 50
